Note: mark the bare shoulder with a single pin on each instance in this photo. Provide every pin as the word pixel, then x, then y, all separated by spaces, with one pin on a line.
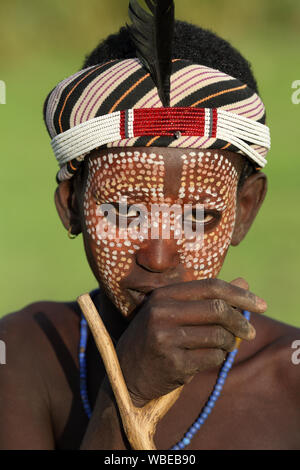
pixel 41 342
pixel 38 324
pixel 36 380
pixel 276 336
pixel 286 349
pixel 276 354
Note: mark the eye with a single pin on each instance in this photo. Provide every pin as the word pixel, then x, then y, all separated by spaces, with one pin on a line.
pixel 119 209
pixel 122 214
pixel 127 211
pixel 198 218
pixel 208 218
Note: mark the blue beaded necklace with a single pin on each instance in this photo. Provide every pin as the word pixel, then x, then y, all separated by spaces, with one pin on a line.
pixel 186 440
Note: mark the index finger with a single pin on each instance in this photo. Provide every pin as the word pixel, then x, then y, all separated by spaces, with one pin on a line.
pixel 213 289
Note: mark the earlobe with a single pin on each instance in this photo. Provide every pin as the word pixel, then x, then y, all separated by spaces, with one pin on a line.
pixel 249 200
pixel 66 206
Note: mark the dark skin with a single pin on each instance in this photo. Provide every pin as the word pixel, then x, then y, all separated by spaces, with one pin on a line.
pixel 179 334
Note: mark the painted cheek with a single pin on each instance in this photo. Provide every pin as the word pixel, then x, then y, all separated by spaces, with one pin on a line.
pixel 213 177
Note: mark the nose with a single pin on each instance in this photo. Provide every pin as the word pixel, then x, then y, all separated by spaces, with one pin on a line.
pixel 158 256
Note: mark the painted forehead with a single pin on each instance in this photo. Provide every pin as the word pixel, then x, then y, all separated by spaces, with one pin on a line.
pixel 206 177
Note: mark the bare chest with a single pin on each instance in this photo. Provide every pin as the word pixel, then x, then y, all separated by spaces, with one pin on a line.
pixel 246 416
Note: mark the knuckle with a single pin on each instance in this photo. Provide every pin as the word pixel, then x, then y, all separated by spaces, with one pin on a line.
pixel 242 326
pixel 161 338
pixel 213 285
pixel 219 307
pixel 181 333
pixel 154 312
pixel 228 341
pixel 160 309
pixel 218 356
pixel 210 285
pixel 219 336
pixel 176 364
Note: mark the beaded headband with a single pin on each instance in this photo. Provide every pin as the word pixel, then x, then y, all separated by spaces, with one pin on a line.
pixel 177 122
pixel 116 104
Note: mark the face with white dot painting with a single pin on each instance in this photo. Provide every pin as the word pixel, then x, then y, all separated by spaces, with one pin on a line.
pixel 130 267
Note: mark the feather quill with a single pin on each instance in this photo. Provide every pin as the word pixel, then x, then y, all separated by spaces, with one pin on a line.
pixel 152 35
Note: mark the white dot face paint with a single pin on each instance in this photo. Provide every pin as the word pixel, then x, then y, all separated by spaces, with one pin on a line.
pixel 213 179
pixel 138 178
pixel 134 181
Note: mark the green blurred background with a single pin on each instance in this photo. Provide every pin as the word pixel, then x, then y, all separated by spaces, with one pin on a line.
pixel 44 41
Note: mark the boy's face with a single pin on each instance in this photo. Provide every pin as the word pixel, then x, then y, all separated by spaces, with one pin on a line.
pixel 127 187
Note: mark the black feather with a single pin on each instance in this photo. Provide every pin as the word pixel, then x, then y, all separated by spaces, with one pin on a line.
pixel 152 34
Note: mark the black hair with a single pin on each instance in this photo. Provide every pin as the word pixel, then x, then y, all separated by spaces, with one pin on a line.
pixel 247 170
pixel 193 43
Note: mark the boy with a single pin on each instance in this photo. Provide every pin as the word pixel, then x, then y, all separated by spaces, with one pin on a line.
pixel 172 321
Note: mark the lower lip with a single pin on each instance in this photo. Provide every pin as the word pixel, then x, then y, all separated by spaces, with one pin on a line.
pixel 138 297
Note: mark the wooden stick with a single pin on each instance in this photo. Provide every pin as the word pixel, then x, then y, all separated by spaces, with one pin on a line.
pixel 139 423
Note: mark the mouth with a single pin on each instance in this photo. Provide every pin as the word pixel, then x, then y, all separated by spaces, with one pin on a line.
pixel 139 293
pixel 136 296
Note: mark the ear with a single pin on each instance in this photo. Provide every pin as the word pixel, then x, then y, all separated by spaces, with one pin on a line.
pixel 67 206
pixel 249 199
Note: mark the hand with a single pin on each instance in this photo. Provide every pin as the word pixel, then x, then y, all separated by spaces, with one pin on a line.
pixel 183 329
